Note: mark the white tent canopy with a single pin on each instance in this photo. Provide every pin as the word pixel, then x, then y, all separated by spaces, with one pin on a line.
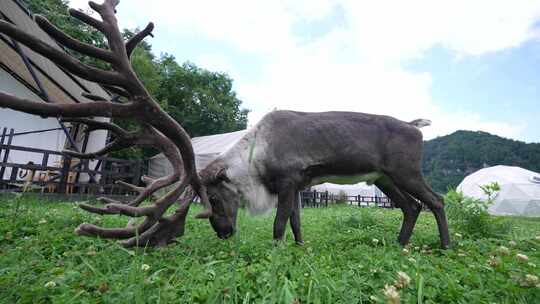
pixel 520 189
pixel 207 148
pixel 361 189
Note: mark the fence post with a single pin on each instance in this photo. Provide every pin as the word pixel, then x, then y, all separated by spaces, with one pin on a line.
pixel 6 151
pixel 137 173
pixel 64 174
pixel 4 131
pixel 2 137
pixel 326 198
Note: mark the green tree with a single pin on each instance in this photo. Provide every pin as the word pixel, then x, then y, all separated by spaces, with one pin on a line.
pixel 448 159
pixel 201 100
pixel 57 12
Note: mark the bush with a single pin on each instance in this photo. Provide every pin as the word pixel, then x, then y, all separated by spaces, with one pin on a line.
pixel 470 217
pixel 342 197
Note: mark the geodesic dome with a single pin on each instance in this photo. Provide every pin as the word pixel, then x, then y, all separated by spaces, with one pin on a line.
pixel 519 194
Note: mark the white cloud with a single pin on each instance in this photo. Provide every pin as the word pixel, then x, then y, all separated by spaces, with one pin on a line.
pixel 357 64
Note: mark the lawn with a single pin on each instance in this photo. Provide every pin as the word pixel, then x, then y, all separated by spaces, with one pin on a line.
pixel 349 256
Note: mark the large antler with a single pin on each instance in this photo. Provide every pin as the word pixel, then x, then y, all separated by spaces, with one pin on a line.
pixel 157 128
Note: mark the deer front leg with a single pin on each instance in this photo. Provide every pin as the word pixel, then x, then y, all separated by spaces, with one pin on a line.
pixel 284 212
pixel 295 220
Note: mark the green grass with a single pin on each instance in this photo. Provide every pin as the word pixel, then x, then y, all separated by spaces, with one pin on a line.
pixel 340 262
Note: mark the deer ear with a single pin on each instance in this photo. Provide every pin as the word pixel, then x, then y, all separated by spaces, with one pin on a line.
pixel 221 175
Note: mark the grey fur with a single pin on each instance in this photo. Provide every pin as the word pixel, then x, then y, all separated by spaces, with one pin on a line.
pixel 286 151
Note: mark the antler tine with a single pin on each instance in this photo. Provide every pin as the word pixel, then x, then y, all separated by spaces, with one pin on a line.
pixel 98 125
pixel 124 139
pixel 93 97
pixel 98 109
pixel 132 43
pixel 150 189
pixel 166 229
pixel 107 12
pixel 115 145
pixel 153 214
pixel 116 90
pixel 116 233
pixel 61 58
pixel 87 19
pixel 72 43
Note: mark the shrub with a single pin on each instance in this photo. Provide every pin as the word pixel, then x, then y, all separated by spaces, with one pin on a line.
pixel 470 216
pixel 342 197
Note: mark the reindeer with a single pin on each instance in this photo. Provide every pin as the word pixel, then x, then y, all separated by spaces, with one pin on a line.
pixel 288 151
pixel 285 152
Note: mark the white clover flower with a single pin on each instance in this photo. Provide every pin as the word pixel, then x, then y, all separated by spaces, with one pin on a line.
pixel 533 265
pixel 522 257
pixel 494 262
pixel 145 267
pixel 375 241
pixel 403 280
pixel 412 260
pixel 512 243
pixel 531 279
pixel 42 221
pixel 391 293
pixel 405 251
pixel 503 250
pixel 50 284
pixel 537 237
pixel 458 235
pixel 416 248
pixel 461 254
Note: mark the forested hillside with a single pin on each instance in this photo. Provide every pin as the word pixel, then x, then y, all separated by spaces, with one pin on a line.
pixel 448 159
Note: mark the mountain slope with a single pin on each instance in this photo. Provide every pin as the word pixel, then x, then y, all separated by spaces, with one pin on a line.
pixel 448 159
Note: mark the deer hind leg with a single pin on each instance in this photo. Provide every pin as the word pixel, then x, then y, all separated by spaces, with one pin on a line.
pixel 415 185
pixel 284 212
pixel 295 220
pixel 410 208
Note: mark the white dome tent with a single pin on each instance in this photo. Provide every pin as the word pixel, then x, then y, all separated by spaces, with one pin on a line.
pixel 519 194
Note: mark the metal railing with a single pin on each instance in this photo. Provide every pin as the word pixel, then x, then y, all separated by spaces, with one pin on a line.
pixel 64 176
pixel 315 199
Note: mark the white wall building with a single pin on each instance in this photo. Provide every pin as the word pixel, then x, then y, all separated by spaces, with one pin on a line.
pixel 40 80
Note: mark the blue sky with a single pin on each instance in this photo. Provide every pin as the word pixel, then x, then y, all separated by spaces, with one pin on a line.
pixel 470 65
pixel 503 85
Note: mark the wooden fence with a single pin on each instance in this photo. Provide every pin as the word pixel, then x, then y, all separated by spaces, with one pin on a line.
pixel 317 199
pixel 64 176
